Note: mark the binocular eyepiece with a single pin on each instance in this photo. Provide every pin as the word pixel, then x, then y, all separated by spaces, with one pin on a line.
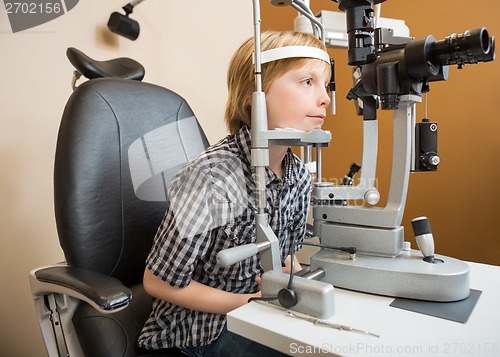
pixel 467 47
pixel 395 70
pixel 425 56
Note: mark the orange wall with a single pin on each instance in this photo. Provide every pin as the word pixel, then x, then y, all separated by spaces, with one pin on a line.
pixel 460 199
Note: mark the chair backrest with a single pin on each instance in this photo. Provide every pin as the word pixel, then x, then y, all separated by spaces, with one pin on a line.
pixel 119 144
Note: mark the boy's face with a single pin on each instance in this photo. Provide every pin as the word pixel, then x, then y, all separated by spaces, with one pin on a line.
pixel 298 99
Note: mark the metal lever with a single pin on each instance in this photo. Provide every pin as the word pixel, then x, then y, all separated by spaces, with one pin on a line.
pixel 329 324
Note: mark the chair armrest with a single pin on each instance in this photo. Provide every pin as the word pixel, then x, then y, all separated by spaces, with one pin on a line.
pixel 105 293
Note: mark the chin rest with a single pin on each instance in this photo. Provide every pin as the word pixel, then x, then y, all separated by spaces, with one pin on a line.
pixel 119 144
pixel 124 68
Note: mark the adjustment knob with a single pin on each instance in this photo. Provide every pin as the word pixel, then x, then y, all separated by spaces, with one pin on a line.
pixel 372 196
pixel 431 159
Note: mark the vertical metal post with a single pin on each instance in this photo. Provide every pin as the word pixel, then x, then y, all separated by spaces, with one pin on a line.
pixel 57 329
pixel 270 258
pixel 319 172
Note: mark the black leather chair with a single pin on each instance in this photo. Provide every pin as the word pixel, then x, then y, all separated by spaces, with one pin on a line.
pixel 120 142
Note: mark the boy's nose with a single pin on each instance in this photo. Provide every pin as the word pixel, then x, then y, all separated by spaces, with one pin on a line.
pixel 324 98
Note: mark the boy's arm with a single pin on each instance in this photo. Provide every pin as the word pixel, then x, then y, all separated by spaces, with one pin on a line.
pixel 195 296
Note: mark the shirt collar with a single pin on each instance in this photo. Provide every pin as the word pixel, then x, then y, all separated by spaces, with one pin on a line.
pixel 290 169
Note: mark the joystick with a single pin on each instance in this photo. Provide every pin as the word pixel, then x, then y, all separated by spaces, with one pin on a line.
pixel 424 238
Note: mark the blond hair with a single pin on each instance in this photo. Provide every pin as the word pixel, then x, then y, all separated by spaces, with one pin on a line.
pixel 241 72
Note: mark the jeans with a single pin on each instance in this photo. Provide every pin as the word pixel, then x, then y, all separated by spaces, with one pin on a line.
pixel 231 345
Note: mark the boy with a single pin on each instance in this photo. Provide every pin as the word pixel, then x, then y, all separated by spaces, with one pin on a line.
pixel 212 205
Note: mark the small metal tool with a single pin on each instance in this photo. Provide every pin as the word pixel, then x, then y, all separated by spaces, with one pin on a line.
pixel 329 324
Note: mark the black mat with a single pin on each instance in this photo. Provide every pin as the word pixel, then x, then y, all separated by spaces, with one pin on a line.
pixel 458 311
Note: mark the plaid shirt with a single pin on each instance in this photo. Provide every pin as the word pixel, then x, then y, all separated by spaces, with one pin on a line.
pixel 212 207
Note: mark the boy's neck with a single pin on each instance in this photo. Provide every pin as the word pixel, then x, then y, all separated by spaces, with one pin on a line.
pixel 276 156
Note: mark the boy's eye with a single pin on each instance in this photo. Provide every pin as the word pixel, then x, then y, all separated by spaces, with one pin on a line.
pixel 308 82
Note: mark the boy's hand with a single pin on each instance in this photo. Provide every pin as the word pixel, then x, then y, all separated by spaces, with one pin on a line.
pixel 286 269
pixel 258 280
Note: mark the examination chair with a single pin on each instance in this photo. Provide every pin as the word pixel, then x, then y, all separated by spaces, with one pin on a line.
pixel 120 142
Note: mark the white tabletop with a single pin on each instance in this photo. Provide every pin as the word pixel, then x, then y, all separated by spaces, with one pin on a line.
pixel 401 332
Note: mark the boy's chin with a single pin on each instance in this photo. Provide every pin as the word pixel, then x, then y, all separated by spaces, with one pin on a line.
pixel 314 127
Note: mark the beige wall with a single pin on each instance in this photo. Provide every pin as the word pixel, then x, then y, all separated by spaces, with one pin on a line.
pixel 180 47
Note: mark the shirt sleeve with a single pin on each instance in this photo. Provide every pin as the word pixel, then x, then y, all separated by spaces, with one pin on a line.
pixel 204 197
pixel 185 233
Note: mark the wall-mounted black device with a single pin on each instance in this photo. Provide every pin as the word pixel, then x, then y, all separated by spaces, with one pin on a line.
pixel 123 25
